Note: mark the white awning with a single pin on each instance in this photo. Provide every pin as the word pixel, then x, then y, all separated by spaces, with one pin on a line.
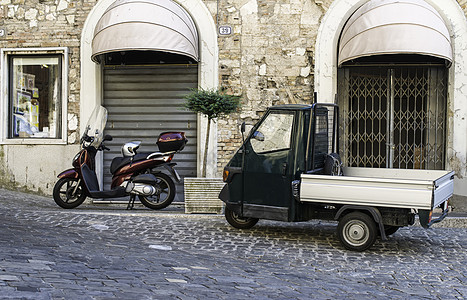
pixel 395 27
pixel 154 25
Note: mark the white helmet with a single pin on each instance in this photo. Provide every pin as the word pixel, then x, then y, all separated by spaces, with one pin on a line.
pixel 129 149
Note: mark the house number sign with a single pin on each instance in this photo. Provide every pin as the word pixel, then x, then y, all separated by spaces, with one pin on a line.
pixel 2 32
pixel 225 30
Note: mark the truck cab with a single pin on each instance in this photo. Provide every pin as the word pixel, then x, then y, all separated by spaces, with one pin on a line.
pixel 288 141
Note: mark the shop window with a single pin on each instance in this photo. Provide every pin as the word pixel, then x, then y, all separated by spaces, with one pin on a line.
pixel 36 96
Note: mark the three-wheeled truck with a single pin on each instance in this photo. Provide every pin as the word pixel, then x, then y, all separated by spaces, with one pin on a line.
pixel 288 169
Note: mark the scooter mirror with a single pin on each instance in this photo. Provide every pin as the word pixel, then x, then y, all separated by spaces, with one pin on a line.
pixel 108 137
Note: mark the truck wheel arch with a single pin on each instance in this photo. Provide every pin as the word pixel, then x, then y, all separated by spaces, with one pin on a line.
pixel 373 212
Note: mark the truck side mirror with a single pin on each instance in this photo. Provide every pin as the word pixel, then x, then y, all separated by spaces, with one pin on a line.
pixel 242 128
pixel 258 136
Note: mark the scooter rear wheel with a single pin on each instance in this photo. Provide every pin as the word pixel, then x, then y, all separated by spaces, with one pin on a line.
pixel 65 194
pixel 164 195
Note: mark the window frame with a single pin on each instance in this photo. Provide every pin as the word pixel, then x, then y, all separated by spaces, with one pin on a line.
pixel 291 113
pixel 5 53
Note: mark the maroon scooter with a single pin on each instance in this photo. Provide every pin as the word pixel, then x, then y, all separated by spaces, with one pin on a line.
pixel 133 174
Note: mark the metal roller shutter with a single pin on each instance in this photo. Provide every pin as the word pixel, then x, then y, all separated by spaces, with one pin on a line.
pixel 142 102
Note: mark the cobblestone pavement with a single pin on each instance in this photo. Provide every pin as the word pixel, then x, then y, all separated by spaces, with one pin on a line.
pixel 96 252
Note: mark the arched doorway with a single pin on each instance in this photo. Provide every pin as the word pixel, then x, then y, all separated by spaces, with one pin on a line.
pixel 392 86
pixel 91 82
pixel 206 73
pixel 149 53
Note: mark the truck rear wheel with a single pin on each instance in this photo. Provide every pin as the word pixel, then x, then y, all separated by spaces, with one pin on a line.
pixel 239 222
pixel 357 231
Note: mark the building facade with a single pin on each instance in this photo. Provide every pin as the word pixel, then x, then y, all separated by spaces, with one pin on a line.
pixel 403 102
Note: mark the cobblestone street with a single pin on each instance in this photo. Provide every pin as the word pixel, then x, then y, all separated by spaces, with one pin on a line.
pixel 104 252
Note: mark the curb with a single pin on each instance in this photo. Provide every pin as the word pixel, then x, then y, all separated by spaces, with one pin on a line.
pixel 448 222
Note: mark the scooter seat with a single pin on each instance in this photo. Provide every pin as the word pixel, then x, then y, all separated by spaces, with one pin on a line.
pixel 119 162
pixel 156 154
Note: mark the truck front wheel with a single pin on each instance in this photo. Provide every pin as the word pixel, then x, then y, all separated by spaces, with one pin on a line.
pixel 239 222
pixel 357 231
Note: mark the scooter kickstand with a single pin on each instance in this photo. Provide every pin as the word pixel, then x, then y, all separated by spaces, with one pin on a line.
pixel 131 203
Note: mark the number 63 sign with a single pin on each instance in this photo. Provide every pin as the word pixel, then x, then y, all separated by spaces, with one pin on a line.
pixel 225 30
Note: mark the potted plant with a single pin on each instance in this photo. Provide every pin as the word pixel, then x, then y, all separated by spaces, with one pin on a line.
pixel 201 193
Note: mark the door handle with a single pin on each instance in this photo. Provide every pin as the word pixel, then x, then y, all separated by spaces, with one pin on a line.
pixel 284 169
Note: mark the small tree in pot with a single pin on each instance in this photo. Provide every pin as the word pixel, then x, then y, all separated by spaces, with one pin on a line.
pixel 212 104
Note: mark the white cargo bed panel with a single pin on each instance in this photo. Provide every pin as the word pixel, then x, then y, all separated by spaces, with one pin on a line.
pixel 399 188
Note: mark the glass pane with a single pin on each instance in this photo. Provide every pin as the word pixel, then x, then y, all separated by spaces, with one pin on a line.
pixel 35 97
pixel 273 134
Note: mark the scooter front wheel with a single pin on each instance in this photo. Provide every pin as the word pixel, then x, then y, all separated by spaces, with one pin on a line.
pixel 67 193
pixel 165 193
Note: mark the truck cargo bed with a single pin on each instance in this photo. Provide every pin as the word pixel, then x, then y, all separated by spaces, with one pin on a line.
pixel 398 188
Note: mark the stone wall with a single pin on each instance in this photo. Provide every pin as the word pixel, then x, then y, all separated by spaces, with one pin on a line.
pixel 268 59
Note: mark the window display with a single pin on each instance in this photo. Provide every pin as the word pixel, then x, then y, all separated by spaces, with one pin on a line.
pixel 35 97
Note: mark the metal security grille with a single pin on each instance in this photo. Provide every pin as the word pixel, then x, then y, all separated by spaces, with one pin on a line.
pixel 142 102
pixel 393 117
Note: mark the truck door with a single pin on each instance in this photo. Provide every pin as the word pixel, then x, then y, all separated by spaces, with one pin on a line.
pixel 267 165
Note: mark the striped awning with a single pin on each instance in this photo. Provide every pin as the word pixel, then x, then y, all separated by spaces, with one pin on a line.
pixel 152 25
pixel 395 27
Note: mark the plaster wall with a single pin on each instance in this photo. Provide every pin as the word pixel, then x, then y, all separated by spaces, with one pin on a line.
pixel 34 167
